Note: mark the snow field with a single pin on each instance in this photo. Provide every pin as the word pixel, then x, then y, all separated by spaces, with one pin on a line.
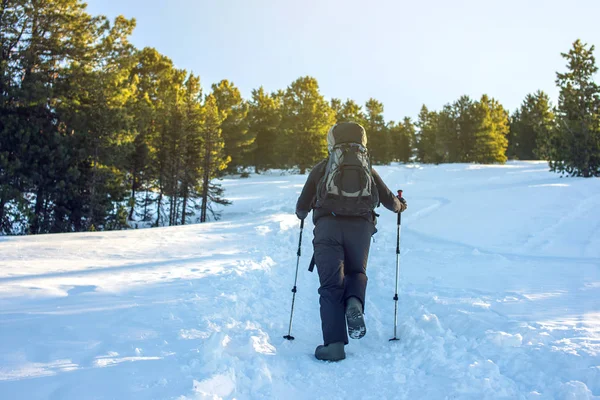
pixel 499 298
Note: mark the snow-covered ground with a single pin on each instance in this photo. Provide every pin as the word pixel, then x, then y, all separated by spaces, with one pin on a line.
pixel 500 298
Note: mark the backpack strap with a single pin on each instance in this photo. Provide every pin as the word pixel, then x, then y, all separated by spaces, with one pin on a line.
pixel 312 264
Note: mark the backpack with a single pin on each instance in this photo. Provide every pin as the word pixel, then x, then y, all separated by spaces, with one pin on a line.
pixel 347 187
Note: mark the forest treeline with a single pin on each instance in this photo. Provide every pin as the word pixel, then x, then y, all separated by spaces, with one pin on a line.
pixel 96 134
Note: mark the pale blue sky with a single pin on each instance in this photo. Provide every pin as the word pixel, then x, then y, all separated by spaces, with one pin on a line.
pixel 403 53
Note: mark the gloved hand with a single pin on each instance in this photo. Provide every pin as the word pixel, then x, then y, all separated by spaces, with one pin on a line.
pixel 403 203
pixel 301 214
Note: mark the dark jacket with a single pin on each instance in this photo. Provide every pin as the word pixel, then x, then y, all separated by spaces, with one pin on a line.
pixel 308 197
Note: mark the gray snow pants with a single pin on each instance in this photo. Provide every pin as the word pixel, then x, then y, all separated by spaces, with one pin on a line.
pixel 341 247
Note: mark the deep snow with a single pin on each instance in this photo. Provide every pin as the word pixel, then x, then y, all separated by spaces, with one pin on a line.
pixel 499 298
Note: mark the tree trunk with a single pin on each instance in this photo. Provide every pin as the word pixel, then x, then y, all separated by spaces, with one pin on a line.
pixel 171 208
pixel 2 204
pixel 205 181
pixel 176 187
pixel 146 201
pixel 184 205
pixel 158 206
pixel 91 215
pixel 59 215
pixel 204 197
pixel 39 203
pixel 176 214
pixel 133 193
pixel 175 209
pixel 46 225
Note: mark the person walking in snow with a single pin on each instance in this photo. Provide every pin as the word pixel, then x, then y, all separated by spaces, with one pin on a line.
pixel 343 191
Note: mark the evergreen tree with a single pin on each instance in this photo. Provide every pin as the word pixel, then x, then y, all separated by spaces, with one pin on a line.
pixel 336 106
pixel 306 119
pixel 164 145
pixel 93 106
pixel 350 111
pixel 191 154
pixel 238 142
pixel 214 159
pixel 378 134
pixel 466 129
pixel 403 137
pixel 426 137
pixel 532 123
pixel 512 137
pixel 264 119
pixel 490 138
pixel 461 130
pixel 13 124
pixel 446 138
pixel 574 148
pixel 152 78
pixel 174 135
pixel 544 126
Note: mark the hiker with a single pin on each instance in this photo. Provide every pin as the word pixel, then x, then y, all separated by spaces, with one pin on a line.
pixel 343 191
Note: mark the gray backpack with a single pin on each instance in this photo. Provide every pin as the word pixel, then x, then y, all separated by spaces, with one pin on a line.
pixel 347 187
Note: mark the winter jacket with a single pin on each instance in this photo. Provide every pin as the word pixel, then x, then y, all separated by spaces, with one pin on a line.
pixel 308 197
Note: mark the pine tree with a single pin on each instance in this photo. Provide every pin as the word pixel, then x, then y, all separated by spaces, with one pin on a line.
pixel 512 137
pixel 152 77
pixel 15 127
pixel 164 144
pixel 93 106
pixel 306 119
pixel 350 111
pixel 574 148
pixel 403 137
pixel 264 119
pixel 238 142
pixel 426 137
pixel 11 23
pixel 175 136
pixel 336 106
pixel 191 146
pixel 467 128
pixel 378 134
pixel 529 126
pixel 490 138
pixel 214 158
pixel 446 138
pixel 457 125
pixel 544 122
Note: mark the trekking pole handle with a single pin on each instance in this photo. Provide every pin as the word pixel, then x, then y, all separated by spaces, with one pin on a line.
pixel 300 242
pixel 399 214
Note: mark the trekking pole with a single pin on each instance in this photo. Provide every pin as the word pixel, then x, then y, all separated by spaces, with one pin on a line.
pixel 397 271
pixel 294 290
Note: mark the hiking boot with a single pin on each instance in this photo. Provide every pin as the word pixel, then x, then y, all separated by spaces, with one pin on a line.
pixel 355 318
pixel 330 352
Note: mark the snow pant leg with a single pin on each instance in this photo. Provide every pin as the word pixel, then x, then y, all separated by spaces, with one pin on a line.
pixel 357 235
pixel 329 258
